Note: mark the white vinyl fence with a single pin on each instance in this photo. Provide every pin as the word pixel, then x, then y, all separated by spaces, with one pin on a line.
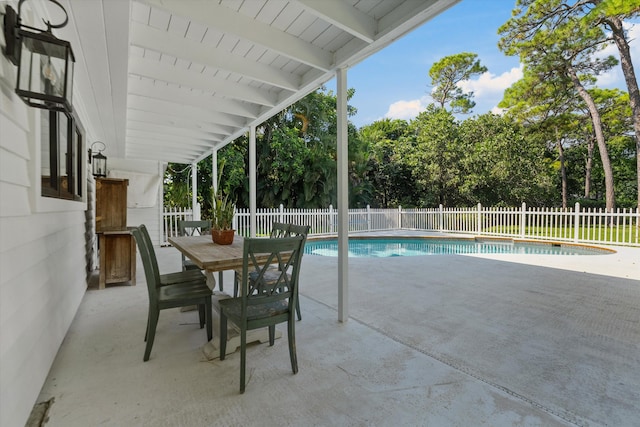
pixel 621 227
pixel 170 219
pixel 321 221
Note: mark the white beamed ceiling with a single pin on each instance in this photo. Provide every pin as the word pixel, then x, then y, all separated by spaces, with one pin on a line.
pixel 174 79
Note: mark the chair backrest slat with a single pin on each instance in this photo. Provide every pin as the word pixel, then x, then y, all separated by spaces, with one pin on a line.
pixel 299 230
pixel 152 252
pixel 279 229
pixel 149 261
pixel 189 228
pixel 262 285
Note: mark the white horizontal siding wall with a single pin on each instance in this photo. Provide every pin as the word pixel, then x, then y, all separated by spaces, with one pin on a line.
pixel 44 246
pixel 42 260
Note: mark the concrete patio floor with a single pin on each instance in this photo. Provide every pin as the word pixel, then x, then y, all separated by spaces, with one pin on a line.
pixel 448 340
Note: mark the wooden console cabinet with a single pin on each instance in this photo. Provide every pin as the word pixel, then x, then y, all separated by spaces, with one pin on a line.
pixel 116 244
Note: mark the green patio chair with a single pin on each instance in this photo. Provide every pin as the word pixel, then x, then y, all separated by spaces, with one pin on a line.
pixel 267 296
pixel 279 229
pixel 183 278
pixel 164 296
pixel 172 278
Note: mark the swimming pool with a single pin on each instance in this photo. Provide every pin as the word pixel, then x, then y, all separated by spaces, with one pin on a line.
pixel 390 247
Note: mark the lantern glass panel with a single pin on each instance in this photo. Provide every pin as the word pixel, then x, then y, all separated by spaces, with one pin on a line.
pixel 45 71
pixel 68 86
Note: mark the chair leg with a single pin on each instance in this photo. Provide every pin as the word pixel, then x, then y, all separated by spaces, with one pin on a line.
pixel 243 358
pixel 151 332
pixel 298 309
pixel 235 285
pixel 201 314
pixel 146 331
pixel 223 335
pixel 272 333
pixel 291 326
pixel 209 316
pixel 220 284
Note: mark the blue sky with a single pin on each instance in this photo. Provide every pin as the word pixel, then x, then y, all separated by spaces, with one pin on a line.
pixel 395 82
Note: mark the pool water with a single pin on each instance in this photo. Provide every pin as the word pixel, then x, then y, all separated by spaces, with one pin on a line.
pixel 390 247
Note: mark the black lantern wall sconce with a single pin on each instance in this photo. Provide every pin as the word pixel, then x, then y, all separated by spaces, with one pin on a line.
pixel 99 162
pixel 45 63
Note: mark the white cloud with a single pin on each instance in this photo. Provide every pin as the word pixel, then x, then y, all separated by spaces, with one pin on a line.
pixel 407 110
pixel 489 84
pixel 488 88
pixel 610 79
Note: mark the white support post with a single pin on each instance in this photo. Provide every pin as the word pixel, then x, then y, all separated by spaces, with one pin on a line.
pixel 195 211
pixel 252 180
pixel 479 220
pixel 343 196
pixel 214 170
pixel 162 238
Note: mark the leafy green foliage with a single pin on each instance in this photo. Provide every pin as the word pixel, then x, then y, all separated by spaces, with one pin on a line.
pixel 503 164
pixel 177 189
pixel 223 208
pixel 434 156
pixel 390 176
pixel 222 212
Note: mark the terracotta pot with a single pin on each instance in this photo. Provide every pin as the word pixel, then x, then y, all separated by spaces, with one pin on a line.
pixel 222 237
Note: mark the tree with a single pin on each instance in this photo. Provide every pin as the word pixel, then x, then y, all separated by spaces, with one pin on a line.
pixel 546 107
pixel 558 46
pixel 390 176
pixel 614 107
pixel 502 164
pixel 434 156
pixel 610 13
pixel 296 161
pixel 447 73
pixel 610 16
pixel 177 185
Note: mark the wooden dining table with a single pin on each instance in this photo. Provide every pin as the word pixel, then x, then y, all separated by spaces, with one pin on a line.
pixel 212 257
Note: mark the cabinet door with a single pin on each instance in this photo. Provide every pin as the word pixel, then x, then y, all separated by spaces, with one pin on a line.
pixel 111 204
pixel 117 259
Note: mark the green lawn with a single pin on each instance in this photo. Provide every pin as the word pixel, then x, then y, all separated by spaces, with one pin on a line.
pixel 615 234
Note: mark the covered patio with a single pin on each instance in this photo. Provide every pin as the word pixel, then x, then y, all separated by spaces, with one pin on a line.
pixel 499 340
pixel 452 340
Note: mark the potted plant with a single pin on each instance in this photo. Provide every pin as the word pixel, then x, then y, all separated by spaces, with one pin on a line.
pixel 222 212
